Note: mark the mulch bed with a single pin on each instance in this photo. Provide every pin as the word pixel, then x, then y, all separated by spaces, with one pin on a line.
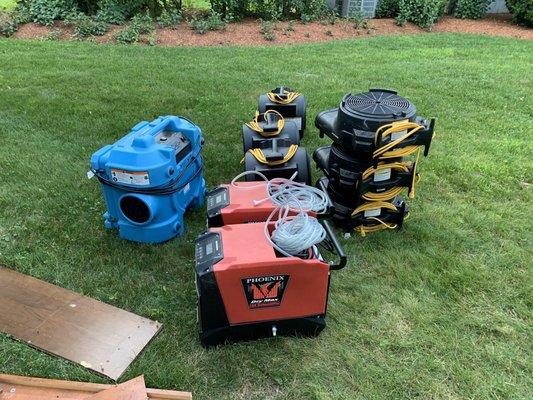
pixel 247 33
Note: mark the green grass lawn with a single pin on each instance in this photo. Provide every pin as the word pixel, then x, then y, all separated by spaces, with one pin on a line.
pixel 441 310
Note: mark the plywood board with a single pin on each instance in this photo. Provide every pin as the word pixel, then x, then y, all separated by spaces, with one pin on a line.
pixel 130 390
pixel 96 335
pixel 14 387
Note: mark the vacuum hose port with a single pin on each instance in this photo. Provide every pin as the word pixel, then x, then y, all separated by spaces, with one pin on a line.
pixel 136 209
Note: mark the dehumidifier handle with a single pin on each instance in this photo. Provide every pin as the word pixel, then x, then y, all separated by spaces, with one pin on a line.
pixel 338 247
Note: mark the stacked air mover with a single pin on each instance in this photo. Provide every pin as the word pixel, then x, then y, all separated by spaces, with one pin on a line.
pixel 377 138
pixel 271 140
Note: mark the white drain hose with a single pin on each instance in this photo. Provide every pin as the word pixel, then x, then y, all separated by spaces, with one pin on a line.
pixel 282 191
pixel 292 234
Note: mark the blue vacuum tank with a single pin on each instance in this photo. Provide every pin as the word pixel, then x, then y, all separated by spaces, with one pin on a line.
pixel 150 178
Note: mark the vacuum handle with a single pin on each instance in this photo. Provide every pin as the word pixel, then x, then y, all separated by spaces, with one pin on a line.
pixel 337 246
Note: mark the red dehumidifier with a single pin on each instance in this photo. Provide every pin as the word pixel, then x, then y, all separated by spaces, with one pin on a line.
pixel 245 202
pixel 248 290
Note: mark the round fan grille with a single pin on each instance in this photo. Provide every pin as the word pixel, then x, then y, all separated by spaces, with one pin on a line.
pixel 379 104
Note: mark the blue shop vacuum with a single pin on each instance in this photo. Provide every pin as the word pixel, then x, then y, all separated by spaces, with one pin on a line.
pixel 150 178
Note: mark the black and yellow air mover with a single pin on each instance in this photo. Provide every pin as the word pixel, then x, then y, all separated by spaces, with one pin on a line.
pixel 271 141
pixel 361 124
pixel 377 140
pixel 288 102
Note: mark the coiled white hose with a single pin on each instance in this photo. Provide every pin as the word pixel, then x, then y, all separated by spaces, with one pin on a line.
pixel 282 191
pixel 292 234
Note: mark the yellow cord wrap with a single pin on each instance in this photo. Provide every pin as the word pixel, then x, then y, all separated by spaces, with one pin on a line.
pixel 276 98
pixel 363 230
pixel 260 156
pixel 372 206
pixel 383 196
pixel 380 200
pixel 416 177
pixel 255 126
pixel 395 191
pixel 396 127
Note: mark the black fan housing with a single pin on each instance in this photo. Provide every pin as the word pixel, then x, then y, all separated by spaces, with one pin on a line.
pixel 368 111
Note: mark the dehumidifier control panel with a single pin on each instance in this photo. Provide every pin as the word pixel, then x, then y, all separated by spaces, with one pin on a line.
pixel 216 200
pixel 177 140
pixel 208 251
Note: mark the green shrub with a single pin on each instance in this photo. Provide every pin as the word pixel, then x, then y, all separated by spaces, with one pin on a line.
pixel 108 11
pixel 45 12
pixel 306 18
pixel 471 9
pixel 269 36
pixel 267 27
pixel 213 22
pixel 236 9
pixel 424 13
pixel 306 10
pixel 199 25
pixel 143 23
pixel 54 34
pixel 84 26
pixel 313 9
pixel 8 25
pixel 119 11
pixel 291 26
pixel 111 12
pixel 127 35
pixel 387 9
pixel 128 7
pixel 74 17
pixel 358 19
pixel 99 28
pixel 151 39
pixel 522 11
pixel 21 14
pixel 169 19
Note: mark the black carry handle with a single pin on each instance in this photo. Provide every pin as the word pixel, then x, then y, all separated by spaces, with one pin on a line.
pixel 336 245
pixel 273 154
pixel 329 212
pixel 269 122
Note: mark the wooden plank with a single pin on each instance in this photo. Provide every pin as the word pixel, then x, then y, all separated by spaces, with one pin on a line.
pixel 20 392
pixel 66 388
pixel 131 390
pixel 96 335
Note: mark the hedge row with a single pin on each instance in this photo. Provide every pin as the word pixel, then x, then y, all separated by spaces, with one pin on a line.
pixel 426 13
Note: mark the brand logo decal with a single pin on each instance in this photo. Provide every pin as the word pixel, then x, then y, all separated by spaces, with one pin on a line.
pixel 265 291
